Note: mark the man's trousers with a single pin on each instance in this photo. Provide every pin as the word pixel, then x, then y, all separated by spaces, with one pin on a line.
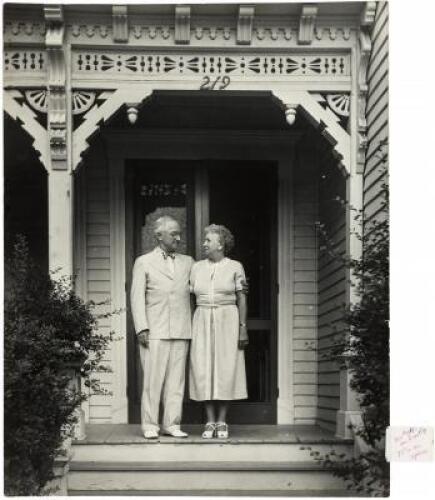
pixel 163 364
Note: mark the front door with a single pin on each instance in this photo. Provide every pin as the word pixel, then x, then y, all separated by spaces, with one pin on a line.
pixel 242 196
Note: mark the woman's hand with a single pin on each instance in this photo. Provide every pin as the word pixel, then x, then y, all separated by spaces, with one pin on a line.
pixel 243 337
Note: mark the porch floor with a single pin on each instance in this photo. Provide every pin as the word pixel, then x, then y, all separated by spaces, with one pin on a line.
pixel 266 460
pixel 239 434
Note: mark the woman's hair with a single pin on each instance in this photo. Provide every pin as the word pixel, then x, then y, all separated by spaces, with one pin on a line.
pixel 225 236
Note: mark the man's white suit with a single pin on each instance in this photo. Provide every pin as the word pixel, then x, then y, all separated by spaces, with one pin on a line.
pixel 160 302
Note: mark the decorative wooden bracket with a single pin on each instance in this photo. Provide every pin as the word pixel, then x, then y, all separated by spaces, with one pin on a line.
pixel 16 107
pixel 111 101
pixel 368 14
pixel 120 23
pixel 306 24
pixel 311 106
pixel 57 107
pixel 182 24
pixel 244 24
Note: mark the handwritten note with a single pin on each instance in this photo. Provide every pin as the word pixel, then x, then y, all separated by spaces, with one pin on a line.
pixel 409 444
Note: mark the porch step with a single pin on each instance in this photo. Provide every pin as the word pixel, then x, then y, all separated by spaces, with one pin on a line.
pixel 283 465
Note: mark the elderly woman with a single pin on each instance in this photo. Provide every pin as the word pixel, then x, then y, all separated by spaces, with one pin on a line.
pixel 219 334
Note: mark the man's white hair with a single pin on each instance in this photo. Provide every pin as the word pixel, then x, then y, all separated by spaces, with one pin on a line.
pixel 161 223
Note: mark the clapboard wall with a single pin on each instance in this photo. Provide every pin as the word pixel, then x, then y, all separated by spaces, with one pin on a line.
pixel 305 288
pixel 377 116
pixel 331 287
pixel 93 264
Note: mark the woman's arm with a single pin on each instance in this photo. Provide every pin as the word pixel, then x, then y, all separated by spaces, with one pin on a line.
pixel 243 314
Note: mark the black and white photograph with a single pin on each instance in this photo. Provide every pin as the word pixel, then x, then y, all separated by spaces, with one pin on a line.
pixel 196 250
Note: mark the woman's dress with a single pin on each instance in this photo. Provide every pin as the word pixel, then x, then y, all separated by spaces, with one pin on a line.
pixel 217 365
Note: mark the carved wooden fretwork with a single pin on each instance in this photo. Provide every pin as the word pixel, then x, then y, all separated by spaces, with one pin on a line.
pixel 152 32
pixel 169 66
pixel 274 34
pixel 293 102
pixel 339 103
pixel 89 30
pixel 18 109
pixel 328 124
pixel 332 33
pixel 24 28
pixel 38 99
pixel 57 108
pixel 82 100
pixel 244 24
pixel 28 61
pixel 111 101
pixel 81 32
pixel 306 24
pixel 182 24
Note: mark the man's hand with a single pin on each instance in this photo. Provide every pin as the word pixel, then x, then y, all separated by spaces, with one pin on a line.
pixel 143 338
pixel 243 337
pixel 245 286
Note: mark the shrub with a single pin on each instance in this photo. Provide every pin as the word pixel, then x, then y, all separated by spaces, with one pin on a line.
pixel 47 328
pixel 365 352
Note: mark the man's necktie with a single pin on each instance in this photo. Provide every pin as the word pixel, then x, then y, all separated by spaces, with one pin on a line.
pixel 170 263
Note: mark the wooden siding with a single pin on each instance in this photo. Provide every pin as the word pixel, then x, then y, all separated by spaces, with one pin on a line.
pixel 305 292
pixel 97 248
pixel 331 290
pixel 377 114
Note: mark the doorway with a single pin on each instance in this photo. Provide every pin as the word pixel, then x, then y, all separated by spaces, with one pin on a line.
pixel 241 195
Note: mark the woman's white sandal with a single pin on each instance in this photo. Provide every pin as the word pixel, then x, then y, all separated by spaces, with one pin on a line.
pixel 210 430
pixel 222 430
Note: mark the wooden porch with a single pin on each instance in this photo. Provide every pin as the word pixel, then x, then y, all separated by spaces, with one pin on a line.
pixel 115 459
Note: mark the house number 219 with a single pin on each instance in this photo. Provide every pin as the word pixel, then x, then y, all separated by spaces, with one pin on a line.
pixel 220 83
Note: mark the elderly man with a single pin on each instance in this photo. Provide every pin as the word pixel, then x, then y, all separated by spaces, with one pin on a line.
pixel 160 304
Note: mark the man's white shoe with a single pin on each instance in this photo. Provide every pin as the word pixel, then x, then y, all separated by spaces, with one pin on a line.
pixel 176 433
pixel 151 434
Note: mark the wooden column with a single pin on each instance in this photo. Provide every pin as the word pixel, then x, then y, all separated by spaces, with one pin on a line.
pixel 60 186
pixel 60 177
pixel 349 407
pixel 349 411
pixel 60 226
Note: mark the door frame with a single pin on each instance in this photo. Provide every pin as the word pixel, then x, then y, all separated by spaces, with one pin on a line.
pixel 122 145
pixel 198 205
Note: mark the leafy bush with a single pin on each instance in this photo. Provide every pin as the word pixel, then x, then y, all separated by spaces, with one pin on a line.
pixel 47 328
pixel 365 352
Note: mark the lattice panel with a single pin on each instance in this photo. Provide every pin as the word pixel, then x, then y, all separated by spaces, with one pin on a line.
pixel 97 63
pixel 34 61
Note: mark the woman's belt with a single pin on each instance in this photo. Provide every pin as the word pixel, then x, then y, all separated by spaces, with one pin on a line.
pixel 214 305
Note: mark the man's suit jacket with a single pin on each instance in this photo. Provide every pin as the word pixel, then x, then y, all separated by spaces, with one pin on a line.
pixel 160 300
